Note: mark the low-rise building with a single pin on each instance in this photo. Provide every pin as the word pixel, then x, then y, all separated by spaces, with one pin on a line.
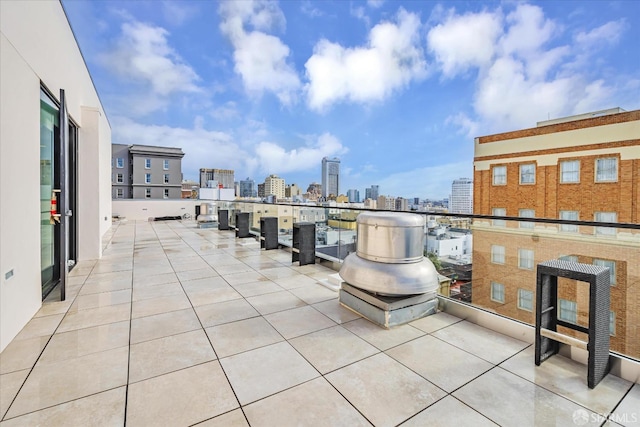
pixel 146 172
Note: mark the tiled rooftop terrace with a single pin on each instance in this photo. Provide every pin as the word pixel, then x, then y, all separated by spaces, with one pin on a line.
pixel 178 326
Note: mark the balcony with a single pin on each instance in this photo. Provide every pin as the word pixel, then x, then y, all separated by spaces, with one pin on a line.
pixel 177 325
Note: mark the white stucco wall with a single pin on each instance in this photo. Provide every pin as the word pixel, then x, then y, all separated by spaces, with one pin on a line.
pixel 143 209
pixel 37 45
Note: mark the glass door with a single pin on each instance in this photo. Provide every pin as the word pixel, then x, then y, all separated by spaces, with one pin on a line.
pixel 49 238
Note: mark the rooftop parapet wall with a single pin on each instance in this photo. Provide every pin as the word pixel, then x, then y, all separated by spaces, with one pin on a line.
pixel 563 127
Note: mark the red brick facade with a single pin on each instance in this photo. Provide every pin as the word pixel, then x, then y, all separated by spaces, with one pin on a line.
pixel 547 197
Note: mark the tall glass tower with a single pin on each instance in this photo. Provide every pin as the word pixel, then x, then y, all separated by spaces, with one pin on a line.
pixel 330 176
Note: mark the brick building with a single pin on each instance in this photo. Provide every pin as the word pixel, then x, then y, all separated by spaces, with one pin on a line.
pixel 584 168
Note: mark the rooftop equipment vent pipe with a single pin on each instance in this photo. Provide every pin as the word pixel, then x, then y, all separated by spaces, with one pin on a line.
pixel 208 212
pixel 389 256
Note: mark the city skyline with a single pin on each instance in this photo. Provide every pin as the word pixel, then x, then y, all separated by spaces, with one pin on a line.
pixel 396 90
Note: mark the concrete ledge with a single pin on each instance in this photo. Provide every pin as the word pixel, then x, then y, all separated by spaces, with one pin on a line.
pixel 621 366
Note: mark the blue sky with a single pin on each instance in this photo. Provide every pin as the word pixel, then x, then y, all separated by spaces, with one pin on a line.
pixel 396 89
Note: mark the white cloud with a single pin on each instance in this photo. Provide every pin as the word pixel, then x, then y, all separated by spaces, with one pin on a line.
pixel 432 181
pixel 273 158
pixel 260 58
pixel 528 30
pixel 464 41
pixel 309 10
pixel 210 149
pixel 177 13
pixel 507 98
pixel 375 4
pixel 468 127
pixel 596 96
pixel 203 148
pixel 144 55
pixel 603 35
pixel 358 12
pixel 522 77
pixel 392 58
pixel 225 112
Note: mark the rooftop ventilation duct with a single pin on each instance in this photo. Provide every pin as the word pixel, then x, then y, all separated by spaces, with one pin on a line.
pixel 208 213
pixel 389 256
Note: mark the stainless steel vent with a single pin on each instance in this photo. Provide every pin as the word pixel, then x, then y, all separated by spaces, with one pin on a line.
pixel 389 256
pixel 208 212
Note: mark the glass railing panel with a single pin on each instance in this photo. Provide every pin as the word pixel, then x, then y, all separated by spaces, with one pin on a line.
pixel 448 244
pixel 285 223
pixel 504 273
pixel 491 263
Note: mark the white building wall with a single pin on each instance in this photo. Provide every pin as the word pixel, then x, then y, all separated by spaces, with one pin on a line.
pixel 461 198
pixel 456 246
pixel 37 45
pixel 143 209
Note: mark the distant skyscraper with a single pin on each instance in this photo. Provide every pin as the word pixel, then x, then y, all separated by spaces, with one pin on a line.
pixel 330 176
pixel 247 188
pixel 375 191
pixel 354 196
pixel 461 200
pixel 372 193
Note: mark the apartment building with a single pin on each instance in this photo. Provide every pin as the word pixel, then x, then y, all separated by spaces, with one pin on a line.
pixel 274 186
pixel 386 203
pixel 292 191
pixel 224 177
pixel 461 199
pixel 584 168
pixel 146 172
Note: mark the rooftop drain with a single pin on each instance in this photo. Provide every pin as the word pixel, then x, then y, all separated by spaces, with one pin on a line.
pixel 388 280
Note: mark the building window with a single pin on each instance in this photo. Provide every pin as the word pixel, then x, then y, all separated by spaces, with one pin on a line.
pixel 606 217
pixel 120 193
pixel 499 175
pixel 569 258
pixel 612 323
pixel 526 213
pixel 147 178
pixel 528 174
pixel 525 300
pixel 119 178
pixel 569 216
pixel 525 259
pixel 166 193
pixel 497 254
pixel 147 193
pixel 119 163
pixel 497 292
pixel 612 268
pixel 165 165
pixel 570 171
pixel 147 163
pixel 499 212
pixel 166 178
pixel 607 169
pixel 568 311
